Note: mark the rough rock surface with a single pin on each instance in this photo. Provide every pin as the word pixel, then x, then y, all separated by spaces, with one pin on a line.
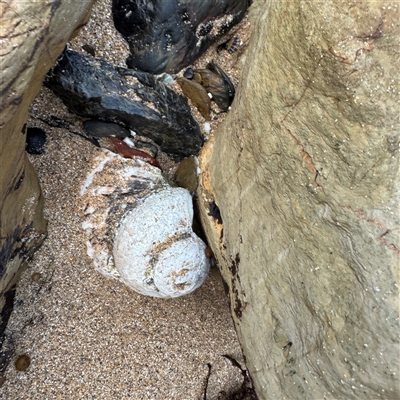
pixel 170 259
pixel 33 34
pixel 305 173
pixel 197 95
pixel 139 228
pixel 170 35
pixel 93 88
pixel 217 83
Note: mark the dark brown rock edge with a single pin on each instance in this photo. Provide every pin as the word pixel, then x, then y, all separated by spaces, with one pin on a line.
pixel 134 98
pixel 33 35
pixel 305 174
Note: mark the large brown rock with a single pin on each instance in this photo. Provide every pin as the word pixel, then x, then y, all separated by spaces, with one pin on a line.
pixel 33 34
pixel 305 174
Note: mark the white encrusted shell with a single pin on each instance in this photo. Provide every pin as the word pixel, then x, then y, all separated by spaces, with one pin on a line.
pixel 155 250
pixel 138 228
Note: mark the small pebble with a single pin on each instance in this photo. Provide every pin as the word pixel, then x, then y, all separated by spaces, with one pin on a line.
pixel 89 49
pixel 198 96
pixel 22 363
pixel 36 276
pixel 209 252
pixel 189 73
pixel 98 128
pixel 35 140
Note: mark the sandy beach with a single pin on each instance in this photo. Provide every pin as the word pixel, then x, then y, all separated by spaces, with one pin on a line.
pixel 90 337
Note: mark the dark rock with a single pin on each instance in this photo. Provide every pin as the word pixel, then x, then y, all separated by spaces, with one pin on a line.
pixel 89 49
pixel 5 314
pixel 198 95
pixel 215 212
pixel 35 140
pixel 93 88
pixel 189 73
pixel 97 128
pixel 7 344
pixel 170 35
pixel 216 82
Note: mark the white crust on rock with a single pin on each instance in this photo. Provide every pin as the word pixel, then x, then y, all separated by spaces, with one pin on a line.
pixel 139 229
pixel 155 250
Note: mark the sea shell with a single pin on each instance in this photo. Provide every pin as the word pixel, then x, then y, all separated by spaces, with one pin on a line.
pixel 139 228
pixel 155 250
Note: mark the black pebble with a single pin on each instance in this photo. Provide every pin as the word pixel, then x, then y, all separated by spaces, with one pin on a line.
pixel 97 128
pixel 35 140
pixel 189 73
pixel 89 49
